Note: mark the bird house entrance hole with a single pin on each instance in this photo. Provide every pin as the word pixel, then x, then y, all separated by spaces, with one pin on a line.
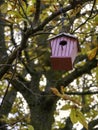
pixel 63 43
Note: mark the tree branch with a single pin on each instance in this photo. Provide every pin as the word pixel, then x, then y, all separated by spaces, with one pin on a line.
pixel 23 11
pixel 54 15
pixel 9 62
pixel 37 13
pixel 77 73
pixel 87 18
pixel 12 57
pixel 93 123
pixel 82 93
pixel 8 102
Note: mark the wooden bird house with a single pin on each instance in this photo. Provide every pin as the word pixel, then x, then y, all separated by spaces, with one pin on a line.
pixel 64 49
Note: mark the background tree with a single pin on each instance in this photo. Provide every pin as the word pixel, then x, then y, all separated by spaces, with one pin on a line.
pixel 25 69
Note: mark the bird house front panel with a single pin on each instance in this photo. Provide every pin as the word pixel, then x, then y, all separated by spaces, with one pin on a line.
pixel 61 47
pixel 57 48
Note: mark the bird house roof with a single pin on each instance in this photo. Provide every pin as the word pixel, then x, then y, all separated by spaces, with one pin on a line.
pixel 63 34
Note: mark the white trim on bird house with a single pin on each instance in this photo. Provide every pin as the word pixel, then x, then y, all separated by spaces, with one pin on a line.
pixel 63 34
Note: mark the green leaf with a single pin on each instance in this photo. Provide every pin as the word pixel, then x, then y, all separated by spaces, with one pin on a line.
pixel 96 20
pixel 33 1
pixel 82 119
pixel 76 116
pixel 3 8
pixel 15 14
pixel 73 116
pixel 30 127
pixel 92 53
pixel 66 107
pixel 97 73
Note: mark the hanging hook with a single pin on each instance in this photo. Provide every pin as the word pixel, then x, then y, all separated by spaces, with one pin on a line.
pixel 63 14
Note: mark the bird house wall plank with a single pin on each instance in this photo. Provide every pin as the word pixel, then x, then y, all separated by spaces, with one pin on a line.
pixel 64 48
pixel 57 47
pixel 61 48
pixel 74 51
pixel 53 46
pixel 67 47
pixel 71 46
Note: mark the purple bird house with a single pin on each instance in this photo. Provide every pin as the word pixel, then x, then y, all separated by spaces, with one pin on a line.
pixel 64 49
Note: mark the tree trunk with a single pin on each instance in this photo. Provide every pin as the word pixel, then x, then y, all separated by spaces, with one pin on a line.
pixel 42 113
pixel 41 106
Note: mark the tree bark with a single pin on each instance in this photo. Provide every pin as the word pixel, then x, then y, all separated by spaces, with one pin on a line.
pixel 41 106
pixel 3 54
pixel 42 113
pixel 8 102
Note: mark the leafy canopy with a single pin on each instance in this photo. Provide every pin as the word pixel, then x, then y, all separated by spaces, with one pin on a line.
pixel 28 24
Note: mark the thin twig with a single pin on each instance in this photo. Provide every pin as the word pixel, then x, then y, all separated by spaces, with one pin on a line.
pixel 37 13
pixel 82 93
pixel 87 18
pixel 7 65
pixel 24 11
pixel 12 124
pixel 12 38
pixel 10 81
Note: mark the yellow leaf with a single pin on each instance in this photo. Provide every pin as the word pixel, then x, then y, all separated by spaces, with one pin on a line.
pixel 92 53
pixel 7 38
pixel 56 92
pixel 30 10
pixel 62 89
pixel 8 75
pixel 64 96
pixel 76 10
pixel 67 97
pixel 30 127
